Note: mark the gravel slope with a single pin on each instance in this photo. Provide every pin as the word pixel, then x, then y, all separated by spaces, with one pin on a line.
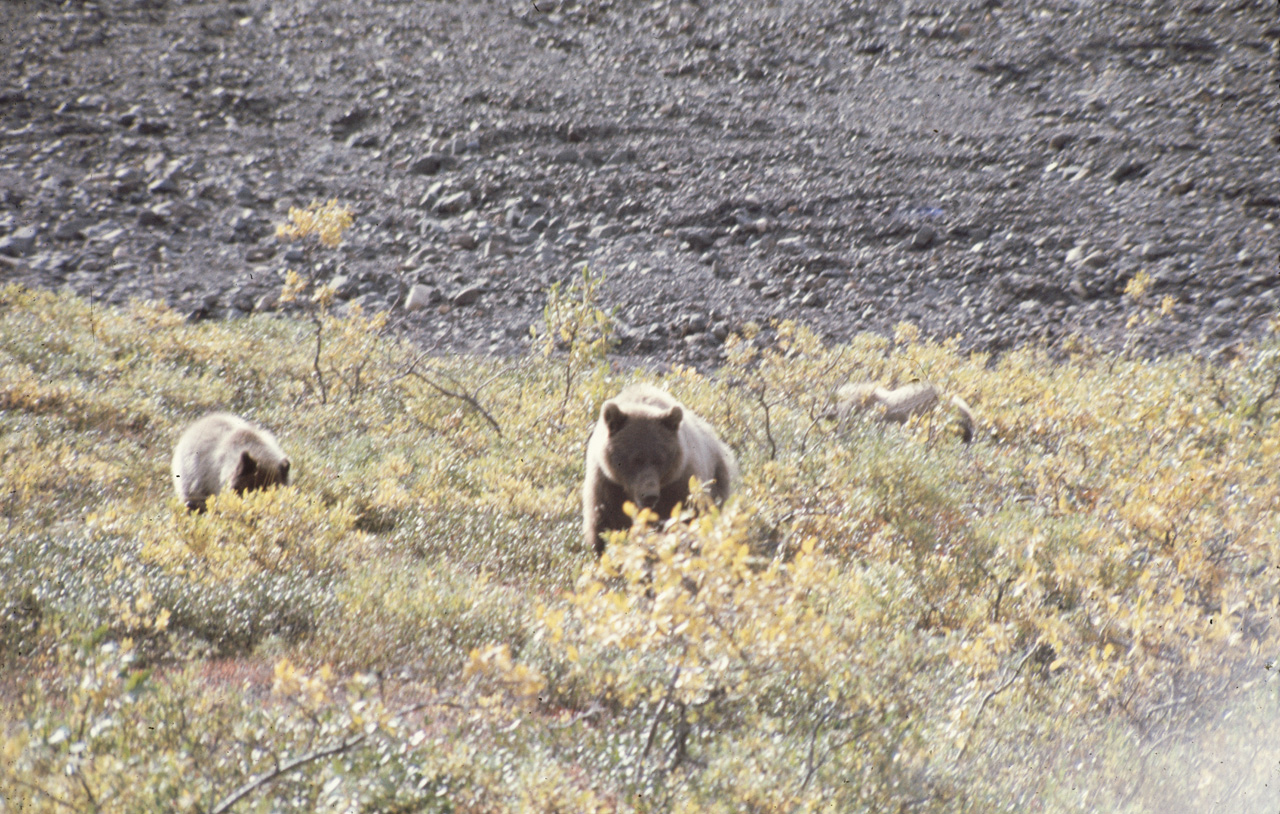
pixel 994 170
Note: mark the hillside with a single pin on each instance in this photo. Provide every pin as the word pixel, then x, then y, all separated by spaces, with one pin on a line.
pixel 994 170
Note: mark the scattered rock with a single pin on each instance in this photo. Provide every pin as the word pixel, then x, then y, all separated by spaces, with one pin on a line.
pixel 605 231
pixel 349 122
pixel 249 227
pixel 343 286
pixel 151 127
pixel 242 298
pixel 432 163
pixel 1128 170
pixel 463 240
pixel 453 203
pixel 467 295
pixel 924 237
pixel 698 239
pixel 686 198
pixel 267 302
pixel 164 185
pixel 420 296
pixel 73 228
pixel 260 253
pixel 1095 260
pixel 19 244
pixel 148 218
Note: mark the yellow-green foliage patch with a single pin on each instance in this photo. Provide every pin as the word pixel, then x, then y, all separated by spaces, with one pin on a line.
pixel 1077 612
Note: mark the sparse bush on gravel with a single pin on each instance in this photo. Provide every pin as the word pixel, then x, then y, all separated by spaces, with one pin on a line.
pixel 1076 612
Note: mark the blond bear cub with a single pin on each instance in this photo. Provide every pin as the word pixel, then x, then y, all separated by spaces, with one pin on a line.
pixel 223 450
pixel 644 448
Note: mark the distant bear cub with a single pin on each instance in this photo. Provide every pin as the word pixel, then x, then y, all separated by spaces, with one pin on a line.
pixel 644 448
pixel 223 450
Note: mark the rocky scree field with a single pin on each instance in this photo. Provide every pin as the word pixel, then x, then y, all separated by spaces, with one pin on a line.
pixel 994 170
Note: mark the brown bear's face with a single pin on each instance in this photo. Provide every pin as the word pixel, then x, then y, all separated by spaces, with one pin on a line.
pixel 644 452
pixel 251 475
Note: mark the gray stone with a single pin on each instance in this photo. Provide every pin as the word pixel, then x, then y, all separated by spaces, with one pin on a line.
pixel 342 285
pixel 1128 170
pixel 467 295
pixel 369 303
pixel 19 244
pixel 605 231
pixel 241 298
pixel 432 163
pixel 463 240
pixel 165 184
pixel 150 217
pixel 421 296
pixel 1061 140
pixel 453 203
pixel 924 237
pixel 698 239
pixel 267 302
pixel 72 229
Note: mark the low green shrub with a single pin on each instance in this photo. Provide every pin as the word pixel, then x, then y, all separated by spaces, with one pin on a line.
pixel 1076 612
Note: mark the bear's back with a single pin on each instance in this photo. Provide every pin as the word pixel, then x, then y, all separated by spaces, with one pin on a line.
pixel 208 455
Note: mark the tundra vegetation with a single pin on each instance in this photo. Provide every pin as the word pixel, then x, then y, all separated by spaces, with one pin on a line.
pixel 1077 612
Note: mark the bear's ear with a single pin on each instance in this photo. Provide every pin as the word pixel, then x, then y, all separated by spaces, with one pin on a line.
pixel 247 465
pixel 614 417
pixel 672 419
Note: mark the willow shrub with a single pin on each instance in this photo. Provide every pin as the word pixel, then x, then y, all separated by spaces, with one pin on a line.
pixel 1076 612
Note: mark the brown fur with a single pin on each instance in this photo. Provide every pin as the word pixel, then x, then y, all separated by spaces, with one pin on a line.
pixel 223 450
pixel 645 447
pixel 900 404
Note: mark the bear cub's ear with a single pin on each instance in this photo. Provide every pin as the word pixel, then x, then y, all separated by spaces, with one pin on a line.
pixel 247 465
pixel 614 417
pixel 672 419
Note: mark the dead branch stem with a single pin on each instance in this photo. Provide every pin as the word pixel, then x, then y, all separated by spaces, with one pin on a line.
pixel 657 717
pixel 258 782
pixel 1004 685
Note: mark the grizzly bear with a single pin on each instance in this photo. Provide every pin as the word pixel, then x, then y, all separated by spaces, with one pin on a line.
pixel 901 404
pixel 223 449
pixel 644 449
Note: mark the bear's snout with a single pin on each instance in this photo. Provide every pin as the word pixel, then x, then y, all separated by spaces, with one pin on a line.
pixel 646 490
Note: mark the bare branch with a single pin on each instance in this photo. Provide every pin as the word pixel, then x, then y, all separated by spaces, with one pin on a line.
pixel 33 787
pixel 653 726
pixel 811 768
pixel 1256 411
pixel 463 396
pixel 590 712
pixel 1006 684
pixel 324 392
pixel 768 433
pixel 256 783
pixel 411 369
